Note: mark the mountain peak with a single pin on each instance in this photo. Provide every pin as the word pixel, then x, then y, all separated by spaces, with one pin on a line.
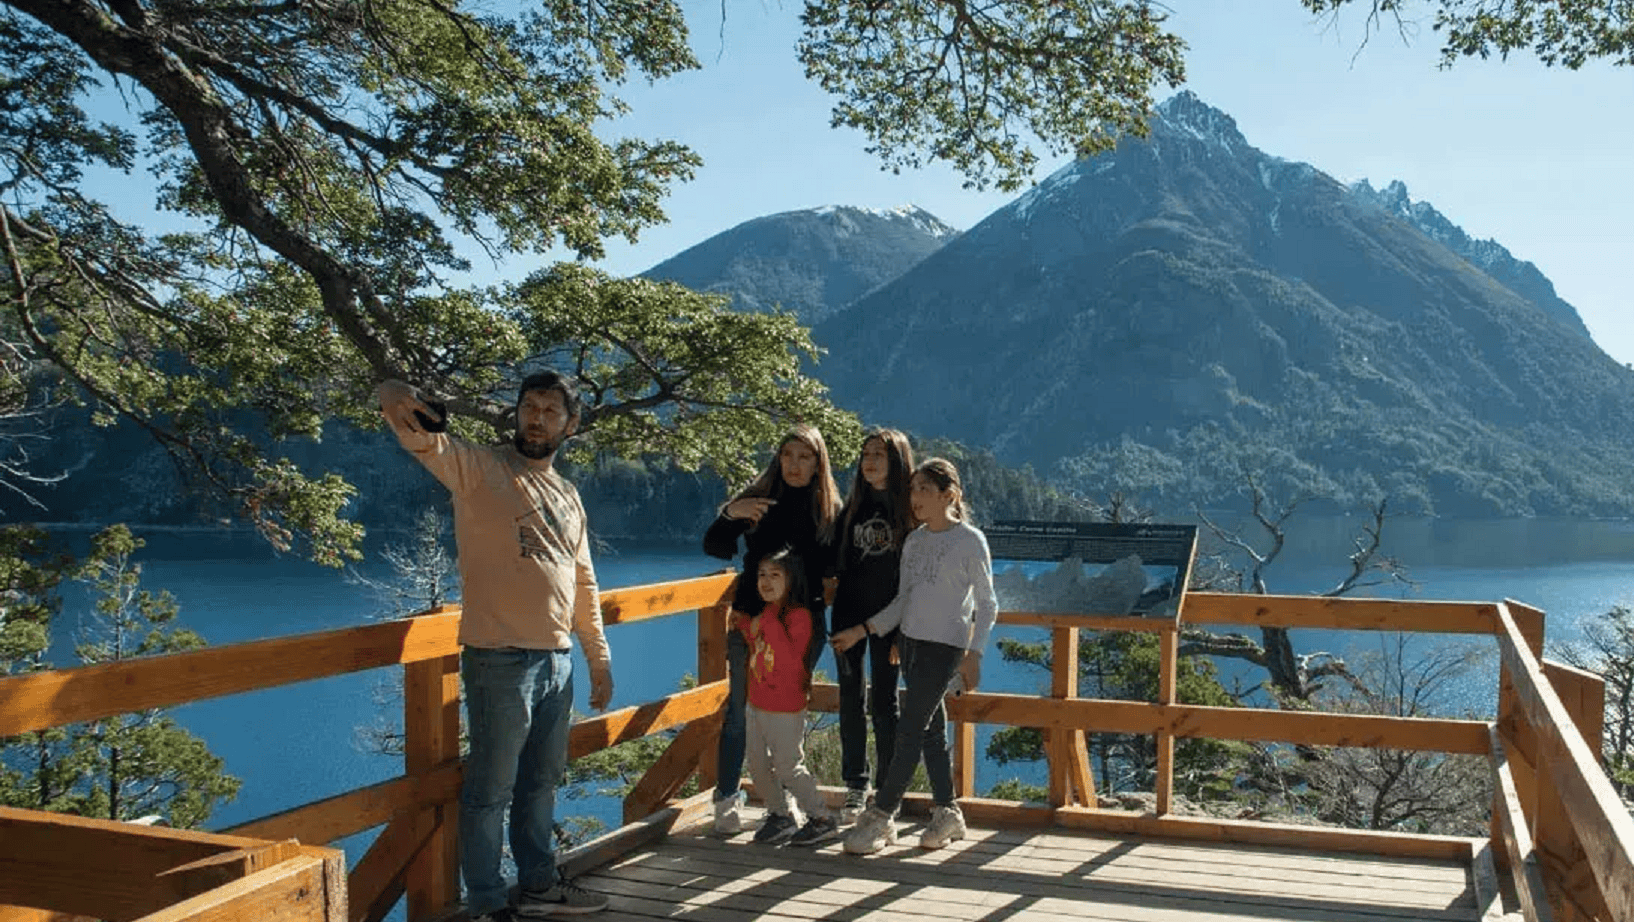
pixel 1186 114
pixel 910 214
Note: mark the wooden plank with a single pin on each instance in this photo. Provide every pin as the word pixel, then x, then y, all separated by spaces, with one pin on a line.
pixel 1523 858
pixel 1054 620
pixel 1189 721
pixel 1087 850
pixel 377 881
pixel 1597 815
pixel 665 777
pixel 639 603
pixel 293 891
pixel 1315 838
pixel 324 821
pixel 587 856
pixel 334 881
pixel 1340 613
pixel 62 696
pixel 1584 695
pixel 597 733
pixel 431 738
pixel 1483 876
pixel 32 914
pixel 115 870
pixel 961 877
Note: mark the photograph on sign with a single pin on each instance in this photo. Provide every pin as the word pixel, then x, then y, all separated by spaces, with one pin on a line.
pixel 1091 568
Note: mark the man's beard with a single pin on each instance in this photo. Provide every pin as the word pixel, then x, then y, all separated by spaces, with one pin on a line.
pixel 536 449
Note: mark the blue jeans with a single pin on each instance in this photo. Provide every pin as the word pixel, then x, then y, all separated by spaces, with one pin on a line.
pixel 880 694
pixel 517 704
pixel 928 667
pixel 734 736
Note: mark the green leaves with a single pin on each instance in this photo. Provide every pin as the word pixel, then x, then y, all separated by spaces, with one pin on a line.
pixel 1567 33
pixel 978 85
pixel 671 373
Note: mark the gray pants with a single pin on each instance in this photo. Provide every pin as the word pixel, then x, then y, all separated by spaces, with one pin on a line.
pixel 777 760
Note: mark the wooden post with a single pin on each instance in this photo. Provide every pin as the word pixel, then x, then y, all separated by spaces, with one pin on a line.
pixel 1168 642
pixel 665 777
pixel 964 759
pixel 1573 891
pixel 431 738
pixel 712 668
pixel 1058 743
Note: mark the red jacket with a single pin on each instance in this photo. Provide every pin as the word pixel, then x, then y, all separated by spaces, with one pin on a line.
pixel 778 680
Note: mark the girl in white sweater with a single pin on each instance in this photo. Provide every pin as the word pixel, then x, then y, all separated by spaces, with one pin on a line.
pixel 945 608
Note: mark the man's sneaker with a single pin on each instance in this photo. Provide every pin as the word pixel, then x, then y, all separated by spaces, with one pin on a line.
pixel 729 814
pixel 818 829
pixel 777 829
pixel 874 830
pixel 946 825
pixel 856 801
pixel 564 899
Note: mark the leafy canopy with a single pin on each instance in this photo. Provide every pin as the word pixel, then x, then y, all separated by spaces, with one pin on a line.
pixel 1567 33
pixel 329 167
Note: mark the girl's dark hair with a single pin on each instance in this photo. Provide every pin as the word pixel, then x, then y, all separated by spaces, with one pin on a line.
pixel 825 493
pixel 898 470
pixel 941 472
pixel 799 596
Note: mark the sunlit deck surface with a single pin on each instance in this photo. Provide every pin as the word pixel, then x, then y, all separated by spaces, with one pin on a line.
pixel 1023 874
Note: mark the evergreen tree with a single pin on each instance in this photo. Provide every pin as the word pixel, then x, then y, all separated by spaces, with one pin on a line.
pixel 132 765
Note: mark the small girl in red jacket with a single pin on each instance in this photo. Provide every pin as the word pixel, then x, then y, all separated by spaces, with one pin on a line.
pixel 781 646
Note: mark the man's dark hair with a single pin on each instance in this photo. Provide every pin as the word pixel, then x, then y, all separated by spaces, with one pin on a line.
pixel 552 380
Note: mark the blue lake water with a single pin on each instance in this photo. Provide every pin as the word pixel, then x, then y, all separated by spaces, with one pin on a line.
pixel 300 743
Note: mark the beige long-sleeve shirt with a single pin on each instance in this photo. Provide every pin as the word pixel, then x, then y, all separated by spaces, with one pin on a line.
pixel 524 547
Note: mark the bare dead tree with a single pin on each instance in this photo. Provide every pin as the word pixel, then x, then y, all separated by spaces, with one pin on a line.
pixel 1293 678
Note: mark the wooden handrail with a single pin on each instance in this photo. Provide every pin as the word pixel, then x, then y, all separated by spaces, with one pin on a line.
pixel 1420 617
pixel 1597 815
pixel 655 600
pixel 64 696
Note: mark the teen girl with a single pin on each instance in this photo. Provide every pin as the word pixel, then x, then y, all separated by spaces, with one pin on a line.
pixel 793 504
pixel 779 640
pixel 868 557
pixel 945 608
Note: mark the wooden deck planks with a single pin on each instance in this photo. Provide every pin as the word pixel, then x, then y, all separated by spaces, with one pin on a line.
pixel 1021 876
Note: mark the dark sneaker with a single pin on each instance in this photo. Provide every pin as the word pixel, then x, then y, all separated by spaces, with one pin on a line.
pixel 777 829
pixel 564 899
pixel 856 801
pixel 818 829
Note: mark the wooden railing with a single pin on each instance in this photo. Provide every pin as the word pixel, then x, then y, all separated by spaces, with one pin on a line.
pixel 1557 824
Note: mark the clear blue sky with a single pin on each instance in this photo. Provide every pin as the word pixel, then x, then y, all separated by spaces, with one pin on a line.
pixel 1537 159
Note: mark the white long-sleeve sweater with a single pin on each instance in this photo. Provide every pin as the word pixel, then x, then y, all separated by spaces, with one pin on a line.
pixel 946 590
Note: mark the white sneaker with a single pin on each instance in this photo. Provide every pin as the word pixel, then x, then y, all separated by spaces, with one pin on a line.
pixel 946 825
pixel 729 814
pixel 874 830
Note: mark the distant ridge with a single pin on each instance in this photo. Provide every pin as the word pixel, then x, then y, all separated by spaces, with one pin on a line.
pixel 812 262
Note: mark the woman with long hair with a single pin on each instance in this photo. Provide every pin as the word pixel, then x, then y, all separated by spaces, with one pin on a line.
pixel 867 557
pixel 792 504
